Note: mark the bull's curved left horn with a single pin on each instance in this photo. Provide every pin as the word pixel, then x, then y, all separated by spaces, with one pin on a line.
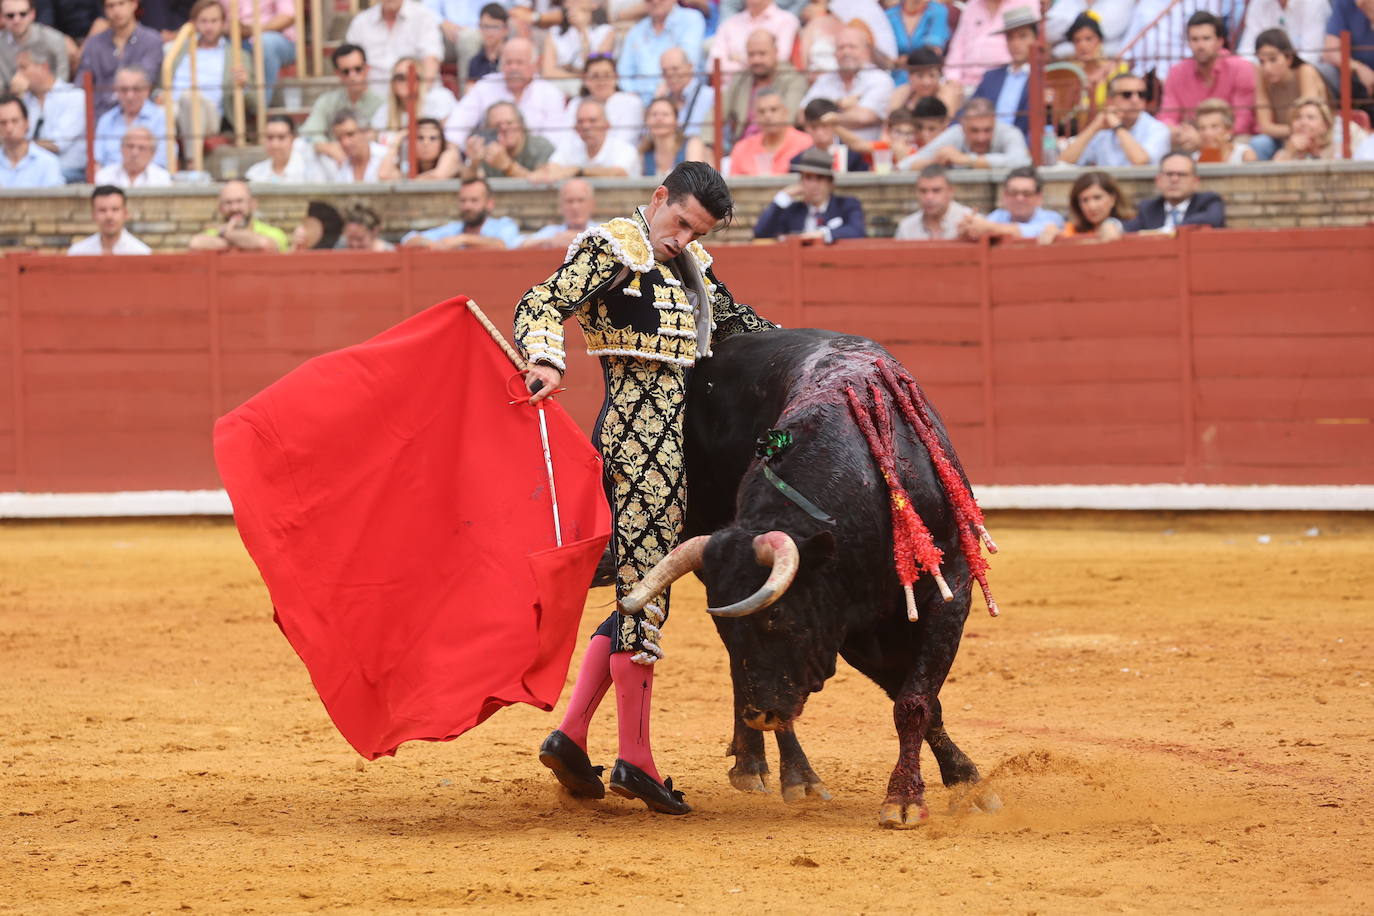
pixel 681 560
pixel 775 549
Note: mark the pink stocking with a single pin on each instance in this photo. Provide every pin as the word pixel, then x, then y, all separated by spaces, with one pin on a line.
pixel 593 680
pixel 634 689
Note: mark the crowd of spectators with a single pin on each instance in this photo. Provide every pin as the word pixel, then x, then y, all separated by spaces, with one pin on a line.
pixel 909 83
pixel 554 92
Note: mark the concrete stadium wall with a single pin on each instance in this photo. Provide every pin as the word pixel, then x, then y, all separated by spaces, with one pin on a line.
pixel 1238 358
pixel 1258 196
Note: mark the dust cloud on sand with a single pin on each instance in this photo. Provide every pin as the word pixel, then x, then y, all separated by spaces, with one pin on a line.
pixel 1174 709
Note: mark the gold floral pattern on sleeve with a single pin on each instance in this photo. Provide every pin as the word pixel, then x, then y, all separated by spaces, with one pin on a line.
pixel 540 315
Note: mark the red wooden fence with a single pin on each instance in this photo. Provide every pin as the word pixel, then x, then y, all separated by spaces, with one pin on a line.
pixel 1214 357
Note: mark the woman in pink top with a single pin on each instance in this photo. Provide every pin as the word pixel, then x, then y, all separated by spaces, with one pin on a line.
pixel 978 43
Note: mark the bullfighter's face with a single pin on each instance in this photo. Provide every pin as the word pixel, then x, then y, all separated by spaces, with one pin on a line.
pixel 673 226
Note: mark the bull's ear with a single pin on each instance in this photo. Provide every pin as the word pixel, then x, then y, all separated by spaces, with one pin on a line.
pixel 817 550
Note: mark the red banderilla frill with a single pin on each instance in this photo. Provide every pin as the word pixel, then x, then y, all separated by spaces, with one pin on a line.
pixel 969 517
pixel 913 548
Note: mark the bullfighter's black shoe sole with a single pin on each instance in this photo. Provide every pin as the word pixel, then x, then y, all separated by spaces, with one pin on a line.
pixel 632 782
pixel 571 766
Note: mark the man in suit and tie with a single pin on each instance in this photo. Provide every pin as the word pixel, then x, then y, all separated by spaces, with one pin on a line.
pixel 1179 203
pixel 1008 87
pixel 810 209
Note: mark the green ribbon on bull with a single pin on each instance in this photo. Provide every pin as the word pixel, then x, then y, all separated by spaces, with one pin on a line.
pixel 769 446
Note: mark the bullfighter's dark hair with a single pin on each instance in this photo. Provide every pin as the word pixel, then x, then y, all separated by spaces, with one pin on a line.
pixel 107 190
pixel 705 184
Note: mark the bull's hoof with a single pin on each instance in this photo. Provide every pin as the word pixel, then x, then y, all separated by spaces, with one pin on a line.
pixel 897 816
pixel 975 800
pixel 749 782
pixel 805 792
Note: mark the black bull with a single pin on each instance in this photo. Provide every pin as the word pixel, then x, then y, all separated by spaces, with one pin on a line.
pixel 846 598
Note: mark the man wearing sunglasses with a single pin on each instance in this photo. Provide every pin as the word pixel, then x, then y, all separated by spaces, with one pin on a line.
pixel 354 94
pixel 21 33
pixel 1122 133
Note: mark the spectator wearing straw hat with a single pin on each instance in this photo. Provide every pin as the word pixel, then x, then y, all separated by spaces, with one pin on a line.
pixel 1008 86
pixel 810 209
pixel 977 43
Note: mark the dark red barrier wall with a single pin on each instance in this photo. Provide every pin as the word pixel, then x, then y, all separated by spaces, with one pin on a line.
pixel 1223 357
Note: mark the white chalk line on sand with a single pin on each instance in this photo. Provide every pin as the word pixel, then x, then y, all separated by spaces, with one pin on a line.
pixel 1143 497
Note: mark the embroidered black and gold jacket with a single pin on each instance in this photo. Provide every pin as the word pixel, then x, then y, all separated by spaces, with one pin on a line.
pixel 627 303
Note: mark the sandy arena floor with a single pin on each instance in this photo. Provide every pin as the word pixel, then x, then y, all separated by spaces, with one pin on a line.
pixel 1176 711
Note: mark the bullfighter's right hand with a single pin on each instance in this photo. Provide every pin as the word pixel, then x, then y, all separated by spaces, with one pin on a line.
pixel 548 377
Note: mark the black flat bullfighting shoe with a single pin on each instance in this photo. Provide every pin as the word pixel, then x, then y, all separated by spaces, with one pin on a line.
pixel 571 765
pixel 632 782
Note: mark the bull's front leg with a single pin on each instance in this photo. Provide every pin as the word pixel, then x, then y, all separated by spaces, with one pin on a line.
pixel 905 805
pixel 799 781
pixel 957 771
pixel 750 772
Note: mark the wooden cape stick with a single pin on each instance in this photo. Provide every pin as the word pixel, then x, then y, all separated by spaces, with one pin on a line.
pixel 520 364
pixel 497 336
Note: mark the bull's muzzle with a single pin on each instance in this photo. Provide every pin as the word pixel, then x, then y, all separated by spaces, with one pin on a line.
pixel 774 549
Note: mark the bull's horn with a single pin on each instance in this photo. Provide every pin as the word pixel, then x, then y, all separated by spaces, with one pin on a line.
pixel 681 560
pixel 775 549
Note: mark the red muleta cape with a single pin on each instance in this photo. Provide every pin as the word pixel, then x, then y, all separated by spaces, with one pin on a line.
pixel 398 509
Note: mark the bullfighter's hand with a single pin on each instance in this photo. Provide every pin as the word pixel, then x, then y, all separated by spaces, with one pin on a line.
pixel 549 379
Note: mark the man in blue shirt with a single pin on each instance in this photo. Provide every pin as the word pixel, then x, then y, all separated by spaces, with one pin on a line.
pixel 1122 132
pixel 133 109
pixel 667 25
pixel 23 164
pixel 1353 16
pixel 1008 87
pixel 1020 215
pixel 57 112
pixel 475 226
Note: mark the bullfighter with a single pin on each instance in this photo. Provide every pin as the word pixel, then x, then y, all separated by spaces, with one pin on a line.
pixel 650 306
